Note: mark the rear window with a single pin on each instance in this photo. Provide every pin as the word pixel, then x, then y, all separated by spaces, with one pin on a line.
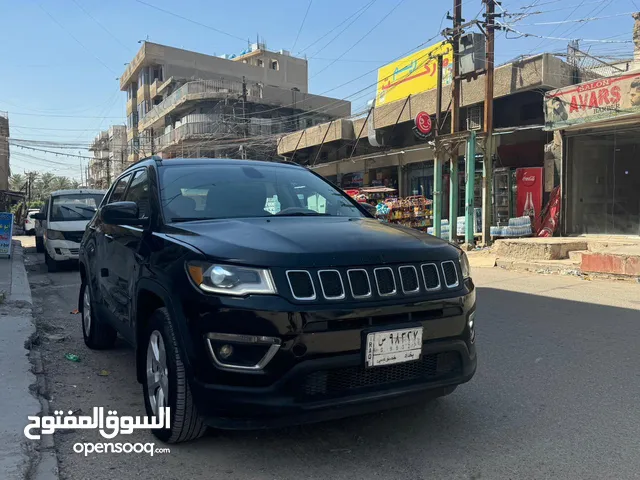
pixel 73 207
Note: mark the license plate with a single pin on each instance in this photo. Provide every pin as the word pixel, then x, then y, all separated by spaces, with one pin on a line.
pixel 393 346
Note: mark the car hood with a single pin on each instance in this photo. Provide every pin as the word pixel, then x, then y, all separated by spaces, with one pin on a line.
pixel 310 241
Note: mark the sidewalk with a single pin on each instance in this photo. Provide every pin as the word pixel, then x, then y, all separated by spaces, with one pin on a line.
pixel 19 457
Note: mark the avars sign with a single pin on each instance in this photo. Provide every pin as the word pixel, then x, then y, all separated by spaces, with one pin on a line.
pixel 600 99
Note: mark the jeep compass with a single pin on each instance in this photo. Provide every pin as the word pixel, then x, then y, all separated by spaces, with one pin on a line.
pixel 257 294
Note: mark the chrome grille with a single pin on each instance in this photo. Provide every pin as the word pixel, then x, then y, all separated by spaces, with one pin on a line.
pixel 301 285
pixel 331 284
pixel 409 279
pixel 385 281
pixel 431 277
pixel 359 283
pixel 450 274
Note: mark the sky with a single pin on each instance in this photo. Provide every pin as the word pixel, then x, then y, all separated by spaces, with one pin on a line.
pixel 61 59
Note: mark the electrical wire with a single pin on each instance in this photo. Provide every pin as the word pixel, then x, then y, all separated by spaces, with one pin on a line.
pixel 79 5
pixel 195 22
pixel 76 39
pixel 302 25
pixel 355 44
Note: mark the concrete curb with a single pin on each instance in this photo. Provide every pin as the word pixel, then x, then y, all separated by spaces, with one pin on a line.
pixel 43 462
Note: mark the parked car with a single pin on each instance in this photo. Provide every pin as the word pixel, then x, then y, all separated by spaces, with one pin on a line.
pixel 41 226
pixel 277 300
pixel 30 222
pixel 63 222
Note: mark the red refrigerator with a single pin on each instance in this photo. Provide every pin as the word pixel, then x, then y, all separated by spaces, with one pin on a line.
pixel 529 182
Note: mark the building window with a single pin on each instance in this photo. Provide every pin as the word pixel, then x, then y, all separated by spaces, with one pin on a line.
pixel 132 120
pixel 275 65
pixel 157 73
pixel 143 77
pixel 260 63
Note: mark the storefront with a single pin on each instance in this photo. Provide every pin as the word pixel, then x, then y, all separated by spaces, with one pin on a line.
pixel 600 126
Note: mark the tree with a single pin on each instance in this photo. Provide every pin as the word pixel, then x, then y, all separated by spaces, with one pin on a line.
pixel 16 182
pixel 43 186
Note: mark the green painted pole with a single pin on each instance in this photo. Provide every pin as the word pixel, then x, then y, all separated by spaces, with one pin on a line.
pixel 453 196
pixel 470 174
pixel 437 194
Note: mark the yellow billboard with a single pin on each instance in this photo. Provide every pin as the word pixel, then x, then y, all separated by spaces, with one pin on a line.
pixel 414 74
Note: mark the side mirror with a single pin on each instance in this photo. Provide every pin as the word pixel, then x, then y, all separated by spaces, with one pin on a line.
pixel 39 216
pixel 121 213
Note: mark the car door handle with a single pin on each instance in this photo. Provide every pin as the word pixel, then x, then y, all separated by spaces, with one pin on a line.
pixel 108 237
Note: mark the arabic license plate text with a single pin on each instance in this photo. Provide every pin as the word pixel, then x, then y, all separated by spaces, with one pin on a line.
pixel 393 346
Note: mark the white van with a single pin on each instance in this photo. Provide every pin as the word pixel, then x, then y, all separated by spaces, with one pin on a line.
pixel 64 220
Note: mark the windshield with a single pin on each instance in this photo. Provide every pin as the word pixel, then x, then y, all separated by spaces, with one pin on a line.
pixel 80 206
pixel 240 191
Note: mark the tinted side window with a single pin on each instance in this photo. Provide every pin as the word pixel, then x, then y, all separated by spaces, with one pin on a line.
pixel 117 194
pixel 139 192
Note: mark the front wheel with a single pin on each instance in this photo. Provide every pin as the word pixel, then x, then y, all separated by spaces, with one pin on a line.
pixel 165 382
pixel 52 265
pixel 97 334
pixel 39 244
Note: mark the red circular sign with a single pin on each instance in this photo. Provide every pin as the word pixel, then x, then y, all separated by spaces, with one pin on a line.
pixel 423 123
pixel 528 179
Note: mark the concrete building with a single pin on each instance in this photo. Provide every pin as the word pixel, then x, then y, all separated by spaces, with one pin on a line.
pixel 109 156
pixel 186 103
pixel 5 171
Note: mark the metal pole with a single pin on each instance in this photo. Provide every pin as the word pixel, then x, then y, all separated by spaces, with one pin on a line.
pixel 437 191
pixel 455 91
pixel 487 173
pixel 470 174
pixel 453 194
pixel 437 161
pixel 321 144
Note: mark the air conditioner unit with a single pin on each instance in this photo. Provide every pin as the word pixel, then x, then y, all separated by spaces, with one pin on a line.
pixel 474 117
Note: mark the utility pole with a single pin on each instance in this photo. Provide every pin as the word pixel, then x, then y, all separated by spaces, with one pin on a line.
pixel 437 161
pixel 244 116
pixel 487 174
pixel 455 122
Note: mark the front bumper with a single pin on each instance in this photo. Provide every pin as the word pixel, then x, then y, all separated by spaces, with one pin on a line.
pixel 62 250
pixel 331 388
pixel 319 371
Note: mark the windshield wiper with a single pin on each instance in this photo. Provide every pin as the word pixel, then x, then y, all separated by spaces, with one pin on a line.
pixel 190 219
pixel 302 214
pixel 73 210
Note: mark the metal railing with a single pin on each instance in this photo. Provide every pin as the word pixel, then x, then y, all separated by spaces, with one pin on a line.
pixel 195 87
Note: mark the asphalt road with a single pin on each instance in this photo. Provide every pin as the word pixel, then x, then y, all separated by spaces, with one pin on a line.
pixel 556 395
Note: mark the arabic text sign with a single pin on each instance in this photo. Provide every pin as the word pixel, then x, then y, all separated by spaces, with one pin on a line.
pixel 109 426
pixel 593 101
pixel 6 231
pixel 414 74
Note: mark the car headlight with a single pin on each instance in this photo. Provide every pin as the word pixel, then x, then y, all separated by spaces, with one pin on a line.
pixel 464 265
pixel 231 279
pixel 54 235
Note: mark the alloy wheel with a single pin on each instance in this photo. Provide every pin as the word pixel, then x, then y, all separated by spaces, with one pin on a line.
pixel 86 310
pixel 157 373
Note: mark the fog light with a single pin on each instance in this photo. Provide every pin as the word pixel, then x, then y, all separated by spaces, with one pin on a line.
pixel 225 351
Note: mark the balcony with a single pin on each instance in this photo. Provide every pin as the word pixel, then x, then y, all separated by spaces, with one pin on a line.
pixel 199 126
pixel 196 90
pixel 131 106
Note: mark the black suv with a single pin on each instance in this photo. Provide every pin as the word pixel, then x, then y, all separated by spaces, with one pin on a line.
pixel 257 294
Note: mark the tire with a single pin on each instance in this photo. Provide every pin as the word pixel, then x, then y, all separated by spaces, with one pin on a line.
pixel 52 265
pixel 39 244
pixel 185 422
pixel 97 334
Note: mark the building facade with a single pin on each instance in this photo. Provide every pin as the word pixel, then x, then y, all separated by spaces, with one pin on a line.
pixel 109 156
pixel 183 103
pixel 596 128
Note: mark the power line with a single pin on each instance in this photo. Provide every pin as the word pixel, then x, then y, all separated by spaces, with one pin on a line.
pixel 302 25
pixel 578 20
pixel 76 39
pixel 26 114
pixel 101 26
pixel 365 6
pixel 195 22
pixel 362 11
pixel 353 45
